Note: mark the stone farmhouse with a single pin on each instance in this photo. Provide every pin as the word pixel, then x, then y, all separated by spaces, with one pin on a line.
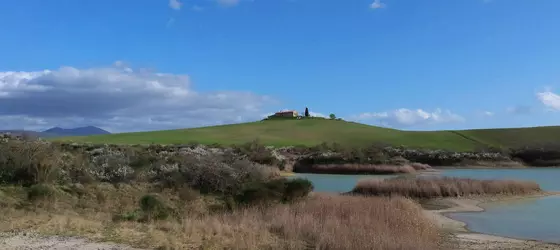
pixel 286 113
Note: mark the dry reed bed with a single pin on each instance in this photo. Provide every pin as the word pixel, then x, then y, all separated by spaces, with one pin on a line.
pixel 444 187
pixel 352 169
pixel 320 222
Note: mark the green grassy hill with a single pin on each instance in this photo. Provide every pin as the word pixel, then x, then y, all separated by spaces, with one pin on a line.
pixel 315 131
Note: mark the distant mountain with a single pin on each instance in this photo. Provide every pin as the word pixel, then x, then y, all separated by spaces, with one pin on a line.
pixel 81 131
pixel 59 132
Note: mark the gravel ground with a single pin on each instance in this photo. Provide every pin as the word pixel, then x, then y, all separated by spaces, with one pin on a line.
pixel 474 241
pixel 26 241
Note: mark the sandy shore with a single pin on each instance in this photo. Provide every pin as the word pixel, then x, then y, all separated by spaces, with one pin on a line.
pixel 461 238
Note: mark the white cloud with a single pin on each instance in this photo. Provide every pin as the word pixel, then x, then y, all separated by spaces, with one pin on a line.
pixel 406 117
pixel 117 98
pixel 549 99
pixel 488 113
pixel 377 4
pixel 228 3
pixel 175 4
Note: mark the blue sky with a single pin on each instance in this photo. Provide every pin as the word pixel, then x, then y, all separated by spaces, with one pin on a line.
pixel 158 64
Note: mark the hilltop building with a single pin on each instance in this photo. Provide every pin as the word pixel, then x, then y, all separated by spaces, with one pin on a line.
pixel 286 113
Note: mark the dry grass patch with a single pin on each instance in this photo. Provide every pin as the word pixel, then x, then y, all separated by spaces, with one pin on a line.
pixel 444 187
pixel 347 222
pixel 320 222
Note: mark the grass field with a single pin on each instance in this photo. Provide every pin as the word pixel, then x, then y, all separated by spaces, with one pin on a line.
pixel 315 131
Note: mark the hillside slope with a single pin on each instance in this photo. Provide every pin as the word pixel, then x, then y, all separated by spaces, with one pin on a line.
pixel 514 137
pixel 290 132
pixel 316 131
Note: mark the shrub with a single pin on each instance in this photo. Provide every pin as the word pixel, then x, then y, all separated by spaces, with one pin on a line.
pixel 188 194
pixel 230 203
pixel 142 159
pixel 153 208
pixel 296 189
pixel 278 190
pixel 111 166
pixel 210 174
pixel 257 152
pixel 79 169
pixel 259 193
pixel 41 192
pixel 29 162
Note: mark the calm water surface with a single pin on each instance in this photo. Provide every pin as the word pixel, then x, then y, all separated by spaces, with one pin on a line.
pixel 536 219
pixel 336 183
pixel 526 219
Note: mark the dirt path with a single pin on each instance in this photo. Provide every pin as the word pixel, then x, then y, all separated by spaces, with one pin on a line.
pixel 461 238
pixel 23 241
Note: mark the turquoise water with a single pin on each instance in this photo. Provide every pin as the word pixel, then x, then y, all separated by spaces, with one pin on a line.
pixel 336 183
pixel 536 218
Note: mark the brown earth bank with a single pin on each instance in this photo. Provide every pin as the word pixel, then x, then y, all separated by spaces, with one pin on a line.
pixel 459 237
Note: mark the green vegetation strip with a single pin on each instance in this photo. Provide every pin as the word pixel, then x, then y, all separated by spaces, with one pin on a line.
pixel 310 132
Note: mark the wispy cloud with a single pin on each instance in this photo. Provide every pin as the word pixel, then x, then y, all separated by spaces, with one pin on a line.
pixel 407 117
pixel 520 110
pixel 549 99
pixel 175 4
pixel 377 4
